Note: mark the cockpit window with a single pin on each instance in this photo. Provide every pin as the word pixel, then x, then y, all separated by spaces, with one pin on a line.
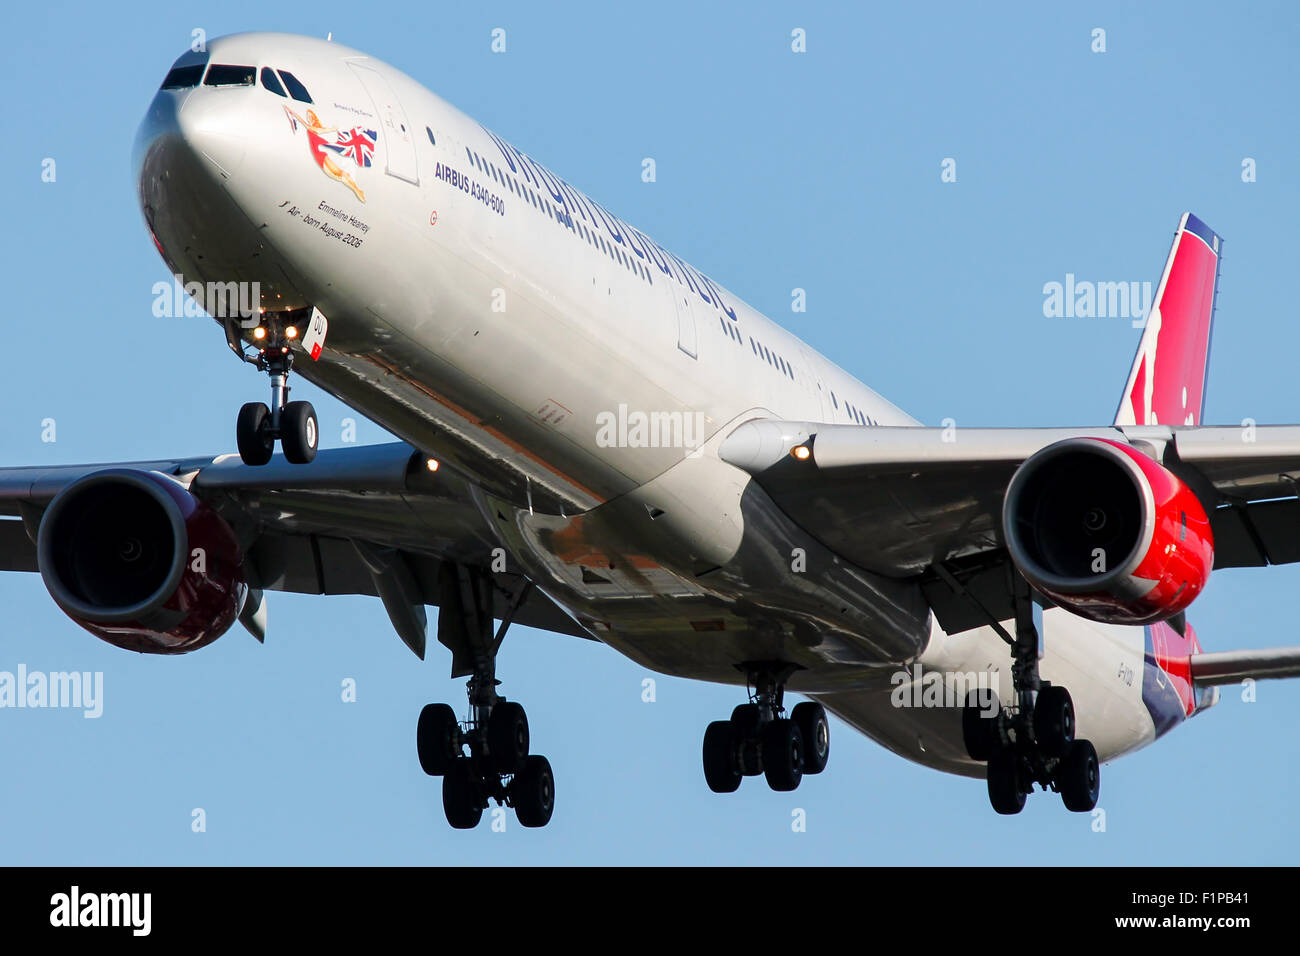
pixel 183 77
pixel 222 75
pixel 186 71
pixel 296 89
pixel 270 82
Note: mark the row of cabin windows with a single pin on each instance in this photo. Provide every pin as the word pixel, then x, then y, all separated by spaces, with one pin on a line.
pixel 851 410
pixel 728 328
pixel 222 74
pixel 560 216
pixel 593 238
pixel 771 358
pixel 762 351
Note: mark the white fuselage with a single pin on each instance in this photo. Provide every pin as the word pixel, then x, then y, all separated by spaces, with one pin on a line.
pixel 494 316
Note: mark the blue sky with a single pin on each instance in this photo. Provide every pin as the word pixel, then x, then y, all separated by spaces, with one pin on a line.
pixel 775 170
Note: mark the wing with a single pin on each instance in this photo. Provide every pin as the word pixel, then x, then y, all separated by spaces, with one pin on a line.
pixel 927 502
pixel 365 520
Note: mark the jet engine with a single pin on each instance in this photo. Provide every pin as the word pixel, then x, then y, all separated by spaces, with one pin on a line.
pixel 1107 532
pixel 138 561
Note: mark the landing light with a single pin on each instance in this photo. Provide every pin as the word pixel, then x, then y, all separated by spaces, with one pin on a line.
pixel 431 464
pixel 259 333
pixel 291 332
pixel 801 452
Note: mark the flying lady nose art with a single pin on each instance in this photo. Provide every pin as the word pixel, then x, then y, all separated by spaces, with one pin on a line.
pixel 356 144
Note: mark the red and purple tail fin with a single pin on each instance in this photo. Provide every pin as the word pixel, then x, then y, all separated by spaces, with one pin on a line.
pixel 1166 385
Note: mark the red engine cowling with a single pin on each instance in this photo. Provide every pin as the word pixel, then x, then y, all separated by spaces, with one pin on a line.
pixel 138 561
pixel 1107 532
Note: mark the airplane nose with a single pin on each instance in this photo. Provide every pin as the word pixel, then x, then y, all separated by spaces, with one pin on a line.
pixel 159 122
pixel 205 125
pixel 186 150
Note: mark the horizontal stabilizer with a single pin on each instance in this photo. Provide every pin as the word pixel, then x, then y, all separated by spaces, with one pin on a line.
pixel 1232 667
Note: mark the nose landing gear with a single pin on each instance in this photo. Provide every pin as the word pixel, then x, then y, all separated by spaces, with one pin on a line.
pixel 258 426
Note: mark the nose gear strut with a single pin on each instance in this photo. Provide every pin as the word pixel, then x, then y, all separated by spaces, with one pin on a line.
pixel 293 424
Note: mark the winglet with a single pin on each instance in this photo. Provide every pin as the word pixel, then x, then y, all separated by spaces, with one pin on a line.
pixel 1166 385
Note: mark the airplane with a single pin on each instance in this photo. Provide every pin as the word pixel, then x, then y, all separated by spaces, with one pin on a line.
pixel 599 440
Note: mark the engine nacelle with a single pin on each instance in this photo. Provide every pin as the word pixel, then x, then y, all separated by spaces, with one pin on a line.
pixel 1107 532
pixel 138 561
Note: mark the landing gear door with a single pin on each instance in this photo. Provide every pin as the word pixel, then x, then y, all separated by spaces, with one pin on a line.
pixel 399 142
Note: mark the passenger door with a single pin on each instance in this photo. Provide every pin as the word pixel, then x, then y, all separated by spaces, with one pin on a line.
pixel 399 138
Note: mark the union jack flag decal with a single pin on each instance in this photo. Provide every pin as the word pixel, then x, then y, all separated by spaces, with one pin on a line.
pixel 357 144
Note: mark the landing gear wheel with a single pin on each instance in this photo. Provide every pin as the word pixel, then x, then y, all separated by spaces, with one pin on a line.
pixel 720 770
pixel 810 718
pixel 532 792
pixel 746 717
pixel 1054 720
pixel 745 722
pixel 253 434
pixel 299 432
pixel 1005 791
pixel 782 754
pixel 507 737
pixel 437 739
pixel 978 731
pixel 460 801
pixel 1078 777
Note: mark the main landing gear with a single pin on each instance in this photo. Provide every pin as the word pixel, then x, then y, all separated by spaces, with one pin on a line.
pixel 758 739
pixel 1034 741
pixel 486 757
pixel 498 766
pixel 292 423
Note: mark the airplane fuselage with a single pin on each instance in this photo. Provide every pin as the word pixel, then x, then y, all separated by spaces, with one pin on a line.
pixel 496 318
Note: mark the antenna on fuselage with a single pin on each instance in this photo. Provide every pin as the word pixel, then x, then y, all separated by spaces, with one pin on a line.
pixel 329 37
